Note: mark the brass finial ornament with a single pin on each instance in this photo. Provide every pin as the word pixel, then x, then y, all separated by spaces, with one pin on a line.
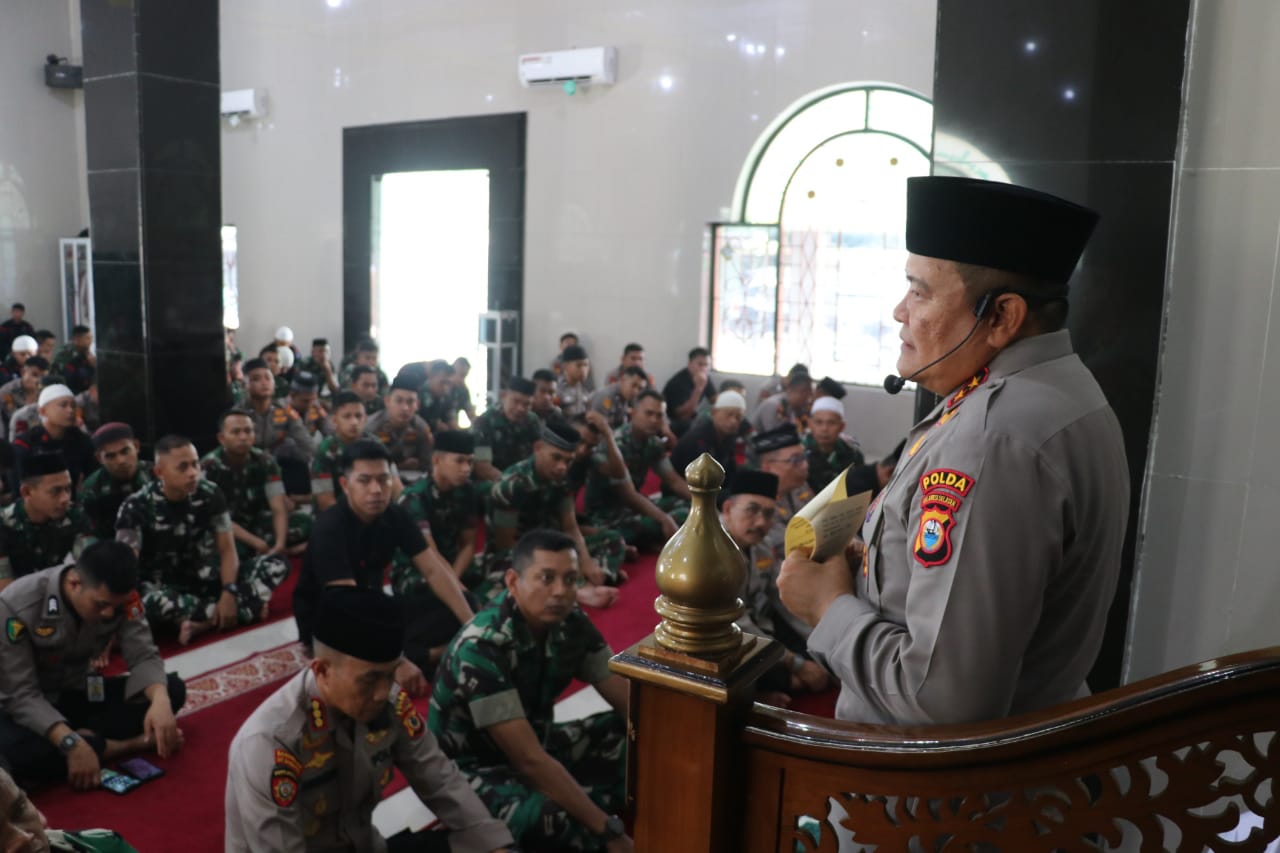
pixel 700 573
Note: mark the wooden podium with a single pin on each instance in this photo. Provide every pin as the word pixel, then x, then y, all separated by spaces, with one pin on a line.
pixel 692 683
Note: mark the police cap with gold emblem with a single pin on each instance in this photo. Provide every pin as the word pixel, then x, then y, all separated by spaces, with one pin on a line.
pixel 1001 226
pixel 363 623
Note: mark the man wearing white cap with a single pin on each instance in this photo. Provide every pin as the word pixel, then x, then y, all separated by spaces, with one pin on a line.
pixel 717 435
pixel 57 433
pixel 24 346
pixel 830 452
pixel 284 338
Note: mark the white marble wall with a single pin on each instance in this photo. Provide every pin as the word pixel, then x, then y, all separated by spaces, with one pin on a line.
pixel 42 174
pixel 1209 571
pixel 621 181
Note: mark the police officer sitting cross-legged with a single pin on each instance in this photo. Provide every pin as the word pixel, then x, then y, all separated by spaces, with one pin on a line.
pixel 60 718
pixel 993 553
pixel 309 765
pixel 557 785
pixel 352 544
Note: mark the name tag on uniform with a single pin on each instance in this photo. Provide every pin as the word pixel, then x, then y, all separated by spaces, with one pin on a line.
pixel 95 689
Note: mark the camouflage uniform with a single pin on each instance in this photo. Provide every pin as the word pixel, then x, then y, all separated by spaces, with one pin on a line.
pixel 178 558
pixel 101 497
pixel 326 466
pixel 436 410
pixel 412 441
pixel 443 516
pixel 88 411
pixel 788 505
pixel 523 500
pixel 603 505
pixel 372 407
pixel 315 420
pixel 344 378
pixel 825 467
pixel 248 490
pixel 239 394
pixel 281 390
pixel 495 671
pixel 459 397
pixel 27 547
pixel 73 367
pixel 608 402
pixel 573 399
pixel 502 443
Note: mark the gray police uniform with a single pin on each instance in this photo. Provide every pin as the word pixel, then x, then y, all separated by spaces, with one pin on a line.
pixel 993 553
pixel 44 657
pixel 281 432
pixel 788 505
pixel 608 402
pixel 412 441
pixel 302 777
pixel 766 615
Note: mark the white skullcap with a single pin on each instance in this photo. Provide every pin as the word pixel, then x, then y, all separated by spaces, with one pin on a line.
pixel 24 343
pixel 284 333
pixel 827 404
pixel 286 357
pixel 731 400
pixel 51 393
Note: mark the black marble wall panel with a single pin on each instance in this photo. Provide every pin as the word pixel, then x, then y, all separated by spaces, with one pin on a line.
pixel 1082 100
pixel 155 209
pixel 493 142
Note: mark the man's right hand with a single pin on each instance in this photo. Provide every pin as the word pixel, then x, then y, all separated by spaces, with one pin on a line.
pixel 813 677
pixel 621 844
pixel 83 769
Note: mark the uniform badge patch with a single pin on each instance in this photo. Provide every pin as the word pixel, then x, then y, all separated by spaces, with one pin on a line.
pixel 287 761
pixel 374 737
pixel 53 608
pixel 408 714
pixel 933 542
pixel 386 777
pixel 284 789
pixel 133 608
pixel 14 628
pixel 945 478
pixel 319 760
pixel 44 631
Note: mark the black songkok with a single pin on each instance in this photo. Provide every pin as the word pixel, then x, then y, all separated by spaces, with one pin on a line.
pixel 363 623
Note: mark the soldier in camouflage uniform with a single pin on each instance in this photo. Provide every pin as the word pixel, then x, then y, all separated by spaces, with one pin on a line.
pixel 494 699
pixel 459 394
pixel 42 527
pixel 365 355
pixel 544 397
pixel 180 528
pixel 615 400
pixel 122 473
pixel 829 451
pixel 446 508
pixel 320 365
pixel 781 454
pixel 505 435
pixel 405 435
pixel 619 503
pixel 535 494
pixel 74 362
pixel 250 480
pixel 270 356
pixel 349 421
pixel 364 382
pixel 436 403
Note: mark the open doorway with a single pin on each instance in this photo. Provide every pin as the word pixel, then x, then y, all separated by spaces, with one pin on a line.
pixel 430 270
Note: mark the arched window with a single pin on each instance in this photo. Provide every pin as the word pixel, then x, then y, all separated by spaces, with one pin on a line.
pixel 812 267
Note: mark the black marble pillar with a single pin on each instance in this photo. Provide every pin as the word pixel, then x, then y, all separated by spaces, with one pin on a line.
pixel 1082 100
pixel 155 210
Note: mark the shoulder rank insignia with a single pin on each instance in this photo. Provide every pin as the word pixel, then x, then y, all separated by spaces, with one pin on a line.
pixel 942 492
pixel 969 387
pixel 14 628
pixel 319 717
pixel 54 607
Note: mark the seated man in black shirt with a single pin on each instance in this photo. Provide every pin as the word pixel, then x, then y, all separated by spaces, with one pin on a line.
pixel 353 541
pixel 686 392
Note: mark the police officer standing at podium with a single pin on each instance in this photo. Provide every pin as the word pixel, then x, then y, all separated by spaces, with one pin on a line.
pixel 992 556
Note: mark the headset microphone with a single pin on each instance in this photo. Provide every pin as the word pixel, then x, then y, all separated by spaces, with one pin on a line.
pixel 893 383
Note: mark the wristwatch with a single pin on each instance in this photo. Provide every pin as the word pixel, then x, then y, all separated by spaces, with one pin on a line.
pixel 233 588
pixel 613 828
pixel 69 742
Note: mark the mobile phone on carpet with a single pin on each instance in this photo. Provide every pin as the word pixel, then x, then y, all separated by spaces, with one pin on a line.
pixel 118 783
pixel 141 769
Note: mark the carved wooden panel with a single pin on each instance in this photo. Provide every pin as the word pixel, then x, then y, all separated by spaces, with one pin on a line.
pixel 1186 797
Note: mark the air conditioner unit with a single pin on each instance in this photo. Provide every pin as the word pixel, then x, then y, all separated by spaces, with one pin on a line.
pixel 589 65
pixel 244 103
